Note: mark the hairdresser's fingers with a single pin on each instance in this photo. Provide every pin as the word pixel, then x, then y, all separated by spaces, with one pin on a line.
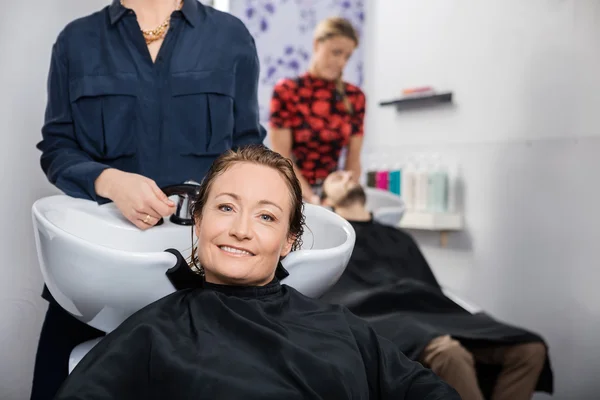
pixel 148 219
pixel 143 211
pixel 149 202
pixel 142 218
pixel 139 222
pixel 158 206
pixel 160 195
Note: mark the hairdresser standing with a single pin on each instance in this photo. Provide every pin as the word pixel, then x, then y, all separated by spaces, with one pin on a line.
pixel 142 94
pixel 316 115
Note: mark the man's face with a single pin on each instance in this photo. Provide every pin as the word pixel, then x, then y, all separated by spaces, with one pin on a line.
pixel 338 186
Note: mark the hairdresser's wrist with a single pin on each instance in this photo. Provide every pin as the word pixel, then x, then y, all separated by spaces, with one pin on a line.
pixel 104 184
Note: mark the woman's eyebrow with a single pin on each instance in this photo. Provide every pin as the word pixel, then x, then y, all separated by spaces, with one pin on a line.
pixel 268 202
pixel 261 202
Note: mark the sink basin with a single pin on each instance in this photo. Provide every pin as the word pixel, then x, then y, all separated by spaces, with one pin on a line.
pixel 101 269
pixel 387 208
pixel 327 245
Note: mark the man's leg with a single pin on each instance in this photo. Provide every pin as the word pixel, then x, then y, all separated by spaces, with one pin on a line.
pixel 521 368
pixel 61 332
pixel 454 364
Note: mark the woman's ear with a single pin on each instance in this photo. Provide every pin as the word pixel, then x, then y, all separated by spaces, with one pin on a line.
pixel 197 227
pixel 287 247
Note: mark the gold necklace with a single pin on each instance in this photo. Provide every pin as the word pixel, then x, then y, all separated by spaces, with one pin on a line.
pixel 152 35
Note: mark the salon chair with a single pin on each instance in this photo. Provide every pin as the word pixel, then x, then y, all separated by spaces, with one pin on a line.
pixel 388 209
pixel 102 269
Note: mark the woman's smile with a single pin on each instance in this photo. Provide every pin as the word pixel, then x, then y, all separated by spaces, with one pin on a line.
pixel 235 251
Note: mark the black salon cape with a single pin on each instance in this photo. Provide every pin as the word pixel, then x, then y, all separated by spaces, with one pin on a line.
pixel 389 283
pixel 223 342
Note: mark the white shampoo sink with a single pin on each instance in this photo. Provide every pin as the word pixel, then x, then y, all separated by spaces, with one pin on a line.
pixel 387 208
pixel 101 268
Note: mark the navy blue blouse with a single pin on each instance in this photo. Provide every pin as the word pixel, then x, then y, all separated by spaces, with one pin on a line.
pixel 110 105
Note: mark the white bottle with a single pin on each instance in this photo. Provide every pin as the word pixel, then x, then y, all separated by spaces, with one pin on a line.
pixel 431 184
pixel 421 185
pixel 438 186
pixel 407 190
pixel 453 187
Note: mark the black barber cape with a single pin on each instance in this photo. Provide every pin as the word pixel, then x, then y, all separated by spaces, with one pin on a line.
pixel 227 342
pixel 389 283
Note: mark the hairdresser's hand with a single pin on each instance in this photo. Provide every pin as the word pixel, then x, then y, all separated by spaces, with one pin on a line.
pixel 139 198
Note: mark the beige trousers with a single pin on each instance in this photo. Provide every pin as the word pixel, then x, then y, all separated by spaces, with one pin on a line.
pixel 521 367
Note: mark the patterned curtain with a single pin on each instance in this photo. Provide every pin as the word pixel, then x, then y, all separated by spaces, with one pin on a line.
pixel 283 32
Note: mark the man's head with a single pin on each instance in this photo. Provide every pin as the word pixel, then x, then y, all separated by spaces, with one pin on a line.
pixel 340 190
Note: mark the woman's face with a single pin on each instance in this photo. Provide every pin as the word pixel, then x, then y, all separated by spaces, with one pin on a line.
pixel 331 56
pixel 244 227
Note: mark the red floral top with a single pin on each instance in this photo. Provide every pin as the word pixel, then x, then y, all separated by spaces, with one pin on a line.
pixel 321 124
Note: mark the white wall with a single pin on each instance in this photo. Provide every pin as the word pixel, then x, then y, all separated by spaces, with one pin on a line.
pixel 526 132
pixel 28 32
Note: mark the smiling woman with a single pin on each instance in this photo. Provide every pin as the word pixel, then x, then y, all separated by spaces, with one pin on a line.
pixel 242 231
pixel 240 333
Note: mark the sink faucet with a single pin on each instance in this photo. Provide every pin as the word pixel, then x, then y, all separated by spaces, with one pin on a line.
pixel 187 192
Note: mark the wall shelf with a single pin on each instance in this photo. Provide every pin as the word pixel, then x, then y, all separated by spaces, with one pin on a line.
pixel 438 222
pixel 409 102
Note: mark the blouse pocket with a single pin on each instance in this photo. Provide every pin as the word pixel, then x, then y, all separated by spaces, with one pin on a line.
pixel 203 106
pixel 105 115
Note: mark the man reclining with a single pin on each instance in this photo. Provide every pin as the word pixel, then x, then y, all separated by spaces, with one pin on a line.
pixel 389 283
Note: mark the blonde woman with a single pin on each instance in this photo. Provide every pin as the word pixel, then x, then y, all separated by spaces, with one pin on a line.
pixel 316 115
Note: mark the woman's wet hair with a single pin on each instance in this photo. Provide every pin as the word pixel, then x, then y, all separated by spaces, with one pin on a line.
pixel 335 27
pixel 258 155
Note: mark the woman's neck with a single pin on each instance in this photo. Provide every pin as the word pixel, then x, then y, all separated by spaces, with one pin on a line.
pixel 313 72
pixel 217 279
pixel 151 13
